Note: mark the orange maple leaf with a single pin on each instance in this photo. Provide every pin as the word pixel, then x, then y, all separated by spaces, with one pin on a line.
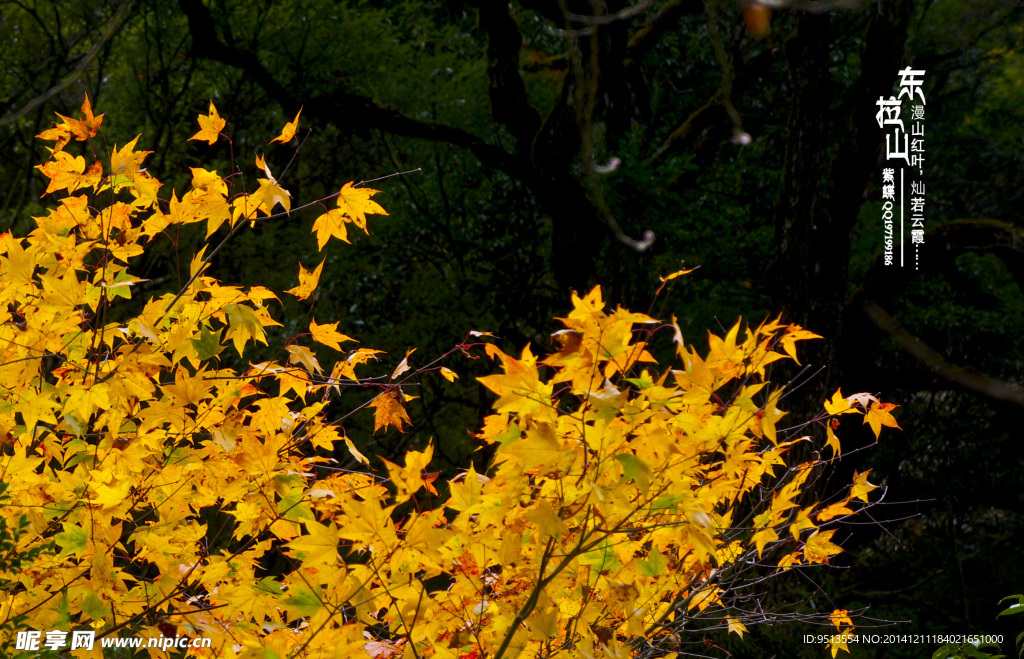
pixel 58 133
pixel 835 510
pixel 83 129
pixel 67 171
pixel 390 410
pixel 428 482
pixel 878 415
pixel 840 616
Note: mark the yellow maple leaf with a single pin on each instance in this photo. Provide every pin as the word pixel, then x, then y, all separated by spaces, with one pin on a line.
pixel 801 522
pixel 213 207
pixel 353 205
pixel 403 366
pixel 861 486
pixel 127 162
pixel 288 132
pixel 789 560
pixel 346 367
pixel 705 598
pixel 331 223
pixel 468 492
pixel 793 334
pixel 762 538
pixel 390 410
pixel 111 496
pixel 83 401
pixel 833 441
pixel 210 124
pixel 543 623
pixel 268 195
pixel 209 182
pixel 328 334
pixel 36 406
pixel 244 324
pixel 839 404
pixel 319 545
pixel 736 627
pixel 820 546
pixel 409 479
pixel 667 278
pixel 144 190
pixel 307 282
pixel 838 641
pixel 303 355
pixel 835 510
pixel 355 452
pixel 449 374
pixel 769 415
pixel 544 516
pixel 356 203
pixel 187 389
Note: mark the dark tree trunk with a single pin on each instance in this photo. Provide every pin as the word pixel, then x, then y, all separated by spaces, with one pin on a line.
pixel 811 266
pixel 816 213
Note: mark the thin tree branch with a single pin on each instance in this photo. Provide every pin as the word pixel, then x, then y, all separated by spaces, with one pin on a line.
pixel 113 27
pixel 655 28
pixel 966 377
pixel 356 110
pixel 699 120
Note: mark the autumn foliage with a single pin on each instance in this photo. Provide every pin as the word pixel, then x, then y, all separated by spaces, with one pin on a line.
pixel 151 486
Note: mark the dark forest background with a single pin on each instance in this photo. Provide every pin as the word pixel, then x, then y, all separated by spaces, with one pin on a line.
pixel 555 139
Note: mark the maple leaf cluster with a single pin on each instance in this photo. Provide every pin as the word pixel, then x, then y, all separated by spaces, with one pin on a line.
pixel 167 483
